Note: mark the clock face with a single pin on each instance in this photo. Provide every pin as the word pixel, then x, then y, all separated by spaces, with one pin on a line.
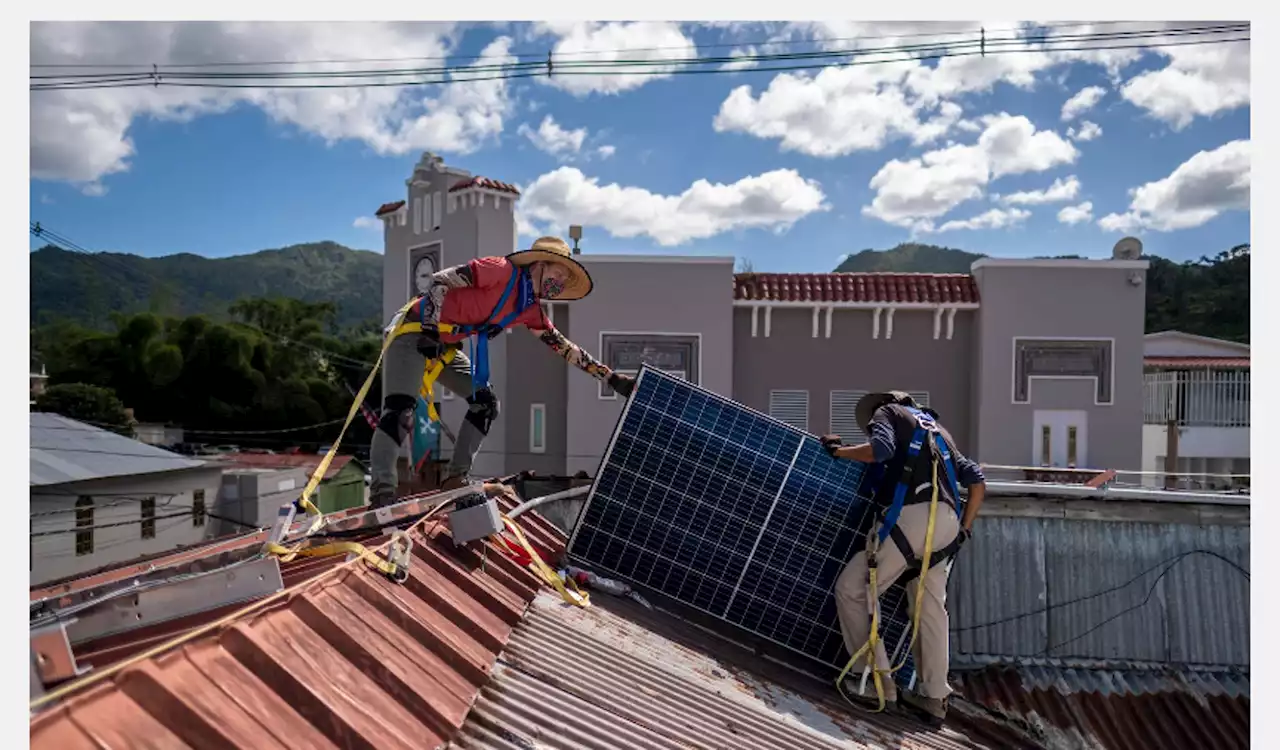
pixel 422 271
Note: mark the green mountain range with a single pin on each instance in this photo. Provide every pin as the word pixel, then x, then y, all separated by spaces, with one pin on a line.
pixel 1209 297
pixel 89 288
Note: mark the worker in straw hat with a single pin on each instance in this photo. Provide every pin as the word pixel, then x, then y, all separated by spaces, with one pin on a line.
pixel 479 299
pixel 919 488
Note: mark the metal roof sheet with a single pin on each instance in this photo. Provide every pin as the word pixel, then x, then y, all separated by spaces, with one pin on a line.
pixel 342 657
pixel 1073 709
pixel 64 450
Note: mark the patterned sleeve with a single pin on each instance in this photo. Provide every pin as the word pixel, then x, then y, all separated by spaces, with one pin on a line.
pixel 572 353
pixel 456 277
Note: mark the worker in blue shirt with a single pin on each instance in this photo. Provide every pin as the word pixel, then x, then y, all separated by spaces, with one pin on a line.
pixel 895 422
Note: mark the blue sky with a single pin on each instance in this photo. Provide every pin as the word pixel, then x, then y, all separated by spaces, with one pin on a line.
pixel 217 173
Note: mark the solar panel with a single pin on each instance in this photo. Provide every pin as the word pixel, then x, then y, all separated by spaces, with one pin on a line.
pixel 733 513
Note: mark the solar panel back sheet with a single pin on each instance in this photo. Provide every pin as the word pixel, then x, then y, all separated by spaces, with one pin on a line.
pixel 733 513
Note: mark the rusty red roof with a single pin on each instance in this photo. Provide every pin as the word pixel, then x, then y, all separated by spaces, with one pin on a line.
pixel 387 208
pixel 287 461
pixel 1116 709
pixel 486 184
pixel 1194 362
pixel 889 288
pixel 342 657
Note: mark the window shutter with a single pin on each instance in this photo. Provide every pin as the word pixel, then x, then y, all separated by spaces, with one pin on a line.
pixel 791 407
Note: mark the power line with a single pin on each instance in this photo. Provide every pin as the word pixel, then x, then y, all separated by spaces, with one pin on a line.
pixel 540 56
pixel 195 431
pixel 1155 39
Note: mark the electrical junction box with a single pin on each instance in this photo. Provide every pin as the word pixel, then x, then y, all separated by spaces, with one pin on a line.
pixel 473 517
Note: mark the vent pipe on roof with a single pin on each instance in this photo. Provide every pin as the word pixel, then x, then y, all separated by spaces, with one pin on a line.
pixel 575 234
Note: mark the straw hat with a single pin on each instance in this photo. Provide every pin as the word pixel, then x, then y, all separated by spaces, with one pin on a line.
pixel 554 250
pixel 870 403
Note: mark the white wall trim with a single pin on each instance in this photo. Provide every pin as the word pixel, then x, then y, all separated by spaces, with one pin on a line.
pixel 755 322
pixel 828 331
pixel 537 443
pixel 1135 265
pixel 768 321
pixel 708 259
pixel 888 325
pixel 875 323
pixel 1013 369
pixel 816 311
pixel 951 322
pixel 697 336
pixel 937 323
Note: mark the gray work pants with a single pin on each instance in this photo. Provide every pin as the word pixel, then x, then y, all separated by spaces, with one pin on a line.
pixel 402 369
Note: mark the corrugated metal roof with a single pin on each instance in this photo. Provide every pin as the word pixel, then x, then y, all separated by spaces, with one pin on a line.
pixel 1131 591
pixel 342 658
pixel 1074 709
pixel 616 676
pixel 64 450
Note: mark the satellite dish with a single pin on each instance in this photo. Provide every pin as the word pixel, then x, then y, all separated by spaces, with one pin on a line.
pixel 1129 248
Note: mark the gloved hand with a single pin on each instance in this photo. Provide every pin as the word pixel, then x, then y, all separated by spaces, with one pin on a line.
pixel 429 345
pixel 831 444
pixel 965 535
pixel 621 384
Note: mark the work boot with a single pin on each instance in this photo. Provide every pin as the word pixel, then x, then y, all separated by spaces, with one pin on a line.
pixel 934 710
pixel 870 702
pixel 381 495
pixel 454 483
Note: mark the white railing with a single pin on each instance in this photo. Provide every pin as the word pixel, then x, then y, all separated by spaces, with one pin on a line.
pixel 1209 398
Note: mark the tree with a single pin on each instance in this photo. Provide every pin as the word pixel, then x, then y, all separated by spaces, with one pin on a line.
pixel 87 403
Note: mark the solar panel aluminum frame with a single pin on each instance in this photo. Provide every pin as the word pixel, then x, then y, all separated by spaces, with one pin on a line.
pixel 895 631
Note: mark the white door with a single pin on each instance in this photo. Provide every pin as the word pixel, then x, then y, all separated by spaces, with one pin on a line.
pixel 1060 439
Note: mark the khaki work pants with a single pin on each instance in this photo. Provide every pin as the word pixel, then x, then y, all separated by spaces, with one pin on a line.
pixel 855 615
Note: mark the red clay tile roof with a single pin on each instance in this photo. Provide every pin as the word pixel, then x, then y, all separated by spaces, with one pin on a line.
pixel 287 461
pixel 1192 362
pixel 486 184
pixel 343 658
pixel 387 208
pixel 928 288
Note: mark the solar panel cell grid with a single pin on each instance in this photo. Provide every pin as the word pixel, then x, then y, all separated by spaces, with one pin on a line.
pixel 733 513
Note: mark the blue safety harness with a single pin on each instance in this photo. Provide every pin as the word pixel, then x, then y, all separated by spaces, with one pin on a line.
pixel 926 430
pixel 522 284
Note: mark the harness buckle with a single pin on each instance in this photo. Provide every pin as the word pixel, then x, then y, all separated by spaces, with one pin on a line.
pixel 399 553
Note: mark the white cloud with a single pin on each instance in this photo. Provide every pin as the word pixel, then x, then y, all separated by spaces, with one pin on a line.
pixel 773 200
pixel 367 222
pixel 836 112
pixel 553 139
pixel 1061 190
pixel 841 110
pixel 1084 100
pixel 996 218
pixel 94 189
pixel 81 136
pixel 1076 214
pixel 1200 189
pixel 1199 81
pixel 606 151
pixel 915 192
pixel 45 199
pixel 1087 132
pixel 582 42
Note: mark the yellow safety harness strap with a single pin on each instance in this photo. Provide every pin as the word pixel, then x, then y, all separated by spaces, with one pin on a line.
pixel 395 566
pixel 544 571
pixel 869 647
